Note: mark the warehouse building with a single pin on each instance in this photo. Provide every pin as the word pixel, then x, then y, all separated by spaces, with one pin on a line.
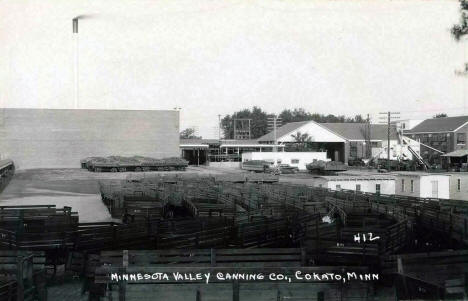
pixel 38 138
pixel 422 185
pixel 439 136
pixel 371 183
pixel 341 141
pixel 294 159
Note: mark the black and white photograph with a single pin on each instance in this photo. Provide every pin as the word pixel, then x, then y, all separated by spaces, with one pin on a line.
pixel 233 150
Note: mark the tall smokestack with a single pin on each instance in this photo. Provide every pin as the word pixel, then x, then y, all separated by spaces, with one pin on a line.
pixel 75 37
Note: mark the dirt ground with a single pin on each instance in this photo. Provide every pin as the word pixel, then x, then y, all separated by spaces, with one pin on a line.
pixel 79 188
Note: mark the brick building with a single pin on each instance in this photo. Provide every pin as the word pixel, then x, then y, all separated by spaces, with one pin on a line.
pixel 439 136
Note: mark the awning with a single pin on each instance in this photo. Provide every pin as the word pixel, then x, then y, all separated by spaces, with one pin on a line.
pixel 251 145
pixel 457 153
pixel 193 146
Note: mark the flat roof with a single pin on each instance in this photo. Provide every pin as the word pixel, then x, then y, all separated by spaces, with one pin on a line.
pixel 359 178
pixel 457 153
pixel 418 174
pixel 251 145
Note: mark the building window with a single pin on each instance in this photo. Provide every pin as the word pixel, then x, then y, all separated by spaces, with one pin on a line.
pixel 377 188
pixel 294 161
pixel 338 187
pixel 458 184
pixel 358 187
pixel 412 185
pixel 403 185
pixel 461 138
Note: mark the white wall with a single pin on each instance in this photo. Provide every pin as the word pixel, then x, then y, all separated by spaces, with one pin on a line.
pixel 461 194
pixel 386 186
pixel 230 165
pixel 286 157
pixel 408 123
pixel 317 133
pixel 443 186
pixel 422 186
pixel 45 138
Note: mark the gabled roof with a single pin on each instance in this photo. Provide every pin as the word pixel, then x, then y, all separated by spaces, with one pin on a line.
pixel 349 131
pixel 284 130
pixel 443 124
pixel 357 131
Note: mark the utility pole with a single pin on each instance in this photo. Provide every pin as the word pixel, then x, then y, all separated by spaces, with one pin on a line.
pixel 272 124
pixel 219 127
pixel 368 138
pixel 389 119
pixel 77 47
pixel 219 137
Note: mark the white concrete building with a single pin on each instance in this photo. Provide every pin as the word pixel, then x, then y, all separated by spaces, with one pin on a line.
pixel 295 159
pixel 459 186
pixel 422 185
pixel 373 183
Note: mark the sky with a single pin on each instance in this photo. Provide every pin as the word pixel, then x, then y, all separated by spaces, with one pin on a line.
pixel 211 57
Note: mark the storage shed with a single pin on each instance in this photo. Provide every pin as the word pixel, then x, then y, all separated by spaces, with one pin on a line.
pixel 422 185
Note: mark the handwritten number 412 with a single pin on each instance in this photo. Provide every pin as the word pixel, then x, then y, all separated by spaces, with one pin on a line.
pixel 364 236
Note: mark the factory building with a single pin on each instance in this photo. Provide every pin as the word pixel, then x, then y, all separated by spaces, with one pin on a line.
pixel 440 136
pixel 46 138
pixel 341 141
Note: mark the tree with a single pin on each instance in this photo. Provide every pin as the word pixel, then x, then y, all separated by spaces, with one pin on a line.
pixel 259 120
pixel 301 140
pixel 189 133
pixel 459 30
pixel 440 115
pixel 300 114
pixel 258 123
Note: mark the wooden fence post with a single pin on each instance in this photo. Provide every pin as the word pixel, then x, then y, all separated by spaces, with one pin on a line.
pixel 19 279
pixel 213 257
pixel 123 284
pixel 235 290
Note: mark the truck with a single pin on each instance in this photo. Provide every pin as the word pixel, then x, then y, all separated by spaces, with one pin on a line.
pixel 259 166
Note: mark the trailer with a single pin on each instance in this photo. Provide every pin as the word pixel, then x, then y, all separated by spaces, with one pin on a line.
pixel 259 166
pixel 326 167
pixel 136 163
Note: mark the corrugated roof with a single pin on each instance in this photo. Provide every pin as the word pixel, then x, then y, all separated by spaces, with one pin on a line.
pixel 443 124
pixel 284 130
